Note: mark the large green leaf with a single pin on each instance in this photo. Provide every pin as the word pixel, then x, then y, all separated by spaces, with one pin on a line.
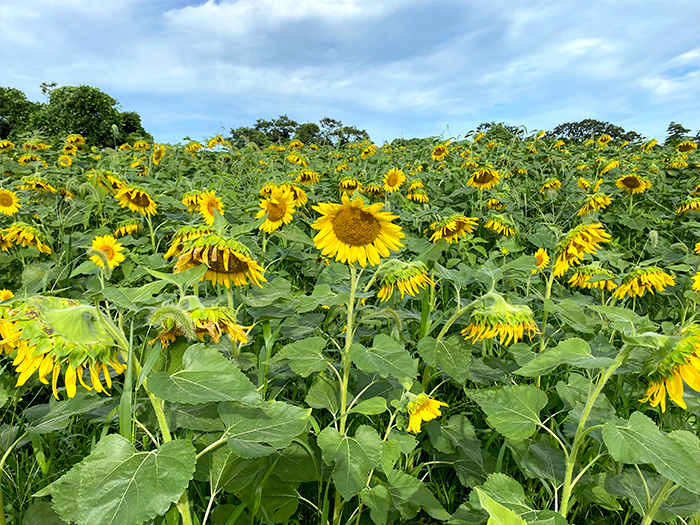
pixel 507 492
pixel 352 458
pixel 206 376
pixel 378 500
pixel 324 393
pixel 452 355
pixel 260 431
pixel 574 351
pixel 410 495
pixel 116 484
pixel 305 356
pixel 56 415
pixel 641 441
pixel 498 514
pixel 387 357
pixel 513 410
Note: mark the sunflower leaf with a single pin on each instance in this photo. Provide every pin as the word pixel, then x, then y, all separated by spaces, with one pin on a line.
pixel 498 514
pixel 574 351
pixel 305 356
pixel 386 357
pixel 514 410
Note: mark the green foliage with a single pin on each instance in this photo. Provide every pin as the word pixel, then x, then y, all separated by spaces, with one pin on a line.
pixel 16 113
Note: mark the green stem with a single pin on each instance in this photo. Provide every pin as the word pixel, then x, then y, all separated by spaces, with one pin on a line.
pixel 664 492
pixel 2 470
pixel 153 235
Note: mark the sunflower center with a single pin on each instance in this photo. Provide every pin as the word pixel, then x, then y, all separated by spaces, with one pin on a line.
pixel 108 251
pixel 140 199
pixel 483 177
pixel 392 179
pixel 631 182
pixel 275 212
pixel 5 200
pixel 235 265
pixel 356 227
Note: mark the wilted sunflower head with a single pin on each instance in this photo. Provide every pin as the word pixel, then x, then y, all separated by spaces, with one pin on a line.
pixel 136 199
pixel 227 261
pixel 349 184
pixel 127 227
pixel 690 204
pixel 141 145
pixel 501 224
pixel 215 321
pixel 495 204
pixel 418 195
pixel 409 278
pixel 583 239
pixel 6 145
pixel 22 234
pixel 373 190
pixel 593 276
pixel 440 151
pixel 484 178
pixel 453 227
pixel 183 235
pixel 641 280
pixel 494 317
pixel 596 202
pixel 686 146
pixel 309 177
pixel 193 147
pixel 550 185
pixel 215 141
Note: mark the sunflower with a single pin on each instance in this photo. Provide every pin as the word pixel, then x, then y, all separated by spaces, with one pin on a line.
pixel 418 196
pixel 583 183
pixel 215 141
pixel 696 282
pixel 499 319
pixel 501 224
pixel 6 145
pixel 193 147
pixel 26 159
pixel 550 185
pixel 38 184
pixel 409 278
pixel 106 179
pixel 469 164
pixel 393 180
pixel 353 232
pixel 602 278
pixel 141 145
pixel 70 149
pixel 5 294
pixel 686 146
pixel 373 190
pixel 603 140
pixel 9 202
pixel 295 144
pixel 479 136
pixel 484 178
pixel 440 151
pixel 649 145
pixel 20 233
pixel 297 159
pixel 226 260
pixel 183 235
pixel 208 202
pixel 637 282
pixel 64 161
pixel 266 190
pixel 583 239
pixel 453 227
pixel 689 205
pixel 349 184
pixel 422 408
pixel 558 144
pixel 309 177
pixel 368 151
pixel 109 249
pixel 415 185
pixel 495 204
pixel 541 260
pixel 158 153
pixel 633 184
pixel 75 139
pixel 341 167
pixel 136 199
pixel 125 147
pixel 277 210
pixel 127 227
pixel 676 164
pixel 596 202
pixel 610 166
pixel 215 321
pixel 676 361
pixel 298 193
pixel 191 200
pixel 530 148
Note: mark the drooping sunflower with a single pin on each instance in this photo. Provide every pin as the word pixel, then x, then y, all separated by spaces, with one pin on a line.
pixel 38 184
pixel 183 235
pixel 638 282
pixel 469 164
pixel 26 159
pixel 6 145
pixel 277 210
pixel 298 194
pixel 110 250
pixel 596 202
pixel 550 185
pixel 191 200
pixel 208 202
pixel 610 166
pixel 393 180
pixel 228 261
pixel 215 321
pixel 484 178
pixel 593 277
pixel 127 227
pixel 215 141
pixel 9 202
pixel 541 260
pixel 690 204
pixel 70 149
pixel 64 161
pixel 136 199
pixel 409 278
pixel 373 190
pixel 76 139
pixel 267 189
pixel 696 282
pixel 583 183
pixel 633 184
pixel 418 195
pixel 440 151
pixel 20 233
pixel 499 319
pixel 583 239
pixel 558 144
pixel 106 179
pixel 604 139
pixel 368 151
pixel 125 147
pixel 349 184
pixel 453 228
pixel 686 146
pixel 676 361
pixel 495 204
pixel 501 224
pixel 193 147
pixel 295 158
pixel 416 184
pixel 422 408
pixel 141 145
pixel 353 232
pixel 309 177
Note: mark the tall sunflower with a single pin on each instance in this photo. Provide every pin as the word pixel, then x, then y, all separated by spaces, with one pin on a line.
pixel 583 239
pixel 686 146
pixel 690 204
pixel 353 232
pixel 208 202
pixel 20 233
pixel 499 319
pixel 633 184
pixel 298 194
pixel 638 282
pixel 228 261
pixel 277 210
pixel 110 250
pixel 453 228
pixel 484 178
pixel 136 199
pixel 393 180
pixel 9 202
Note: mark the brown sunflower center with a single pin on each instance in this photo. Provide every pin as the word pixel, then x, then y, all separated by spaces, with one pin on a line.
pixel 356 227
pixel 483 177
pixel 108 251
pixel 140 199
pixel 275 212
pixel 235 265
pixel 6 200
pixel 631 182
pixel 392 179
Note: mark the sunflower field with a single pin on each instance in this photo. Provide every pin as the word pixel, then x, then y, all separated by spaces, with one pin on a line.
pixel 459 331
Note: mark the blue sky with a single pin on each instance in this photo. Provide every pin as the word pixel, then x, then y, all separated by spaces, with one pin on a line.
pixel 397 68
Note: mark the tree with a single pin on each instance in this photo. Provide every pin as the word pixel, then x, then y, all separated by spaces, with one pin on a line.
pixel 242 136
pixel 308 133
pixel 16 112
pixel 278 130
pixel 675 133
pixel 590 128
pixel 500 132
pixel 130 127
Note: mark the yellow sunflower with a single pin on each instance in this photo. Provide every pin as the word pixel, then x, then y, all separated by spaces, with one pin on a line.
pixel 415 185
pixel 297 159
pixel 583 183
pixel 453 228
pixel 6 145
pixel 495 204
pixel 75 139
pixel 583 239
pixel 501 224
pixel 393 180
pixel 227 261
pixel 350 184
pixel 418 195
pixel 550 185
pixel 141 145
pixel 422 408
pixel 484 178
pixel 686 146
pixel 603 140
pixel 440 151
pixel 127 227
pixel 38 184
pixel 5 294
pixel 309 177
pixel 689 205
pixel 158 153
pixel 499 319
pixel 409 278
pixel 277 210
pixel 9 202
pixel 20 233
pixel 208 202
pixel 215 141
pixel 26 159
pixel 633 184
pixel 638 282
pixel 183 235
pixel 353 232
pixel 110 250
pixel 373 190
pixel 125 147
pixel 596 202
pixel 191 200
pixel 368 151
pixel 70 149
pixel 298 193
pixel 193 147
pixel 266 190
pixel 541 260
pixel 610 166
pixel 602 278
pixel 64 160
pixel 136 199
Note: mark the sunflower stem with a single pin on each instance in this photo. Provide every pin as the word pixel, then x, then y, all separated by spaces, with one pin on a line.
pixel 2 470
pixel 664 492
pixel 153 234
